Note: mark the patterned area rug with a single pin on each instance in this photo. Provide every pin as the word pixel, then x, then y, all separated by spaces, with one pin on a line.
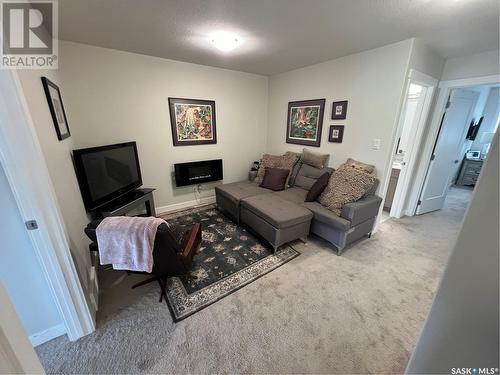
pixel 229 258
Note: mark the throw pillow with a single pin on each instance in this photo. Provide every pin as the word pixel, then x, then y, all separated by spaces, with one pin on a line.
pixel 368 168
pixel 275 179
pixel 345 185
pixel 317 187
pixel 286 161
pixel 314 159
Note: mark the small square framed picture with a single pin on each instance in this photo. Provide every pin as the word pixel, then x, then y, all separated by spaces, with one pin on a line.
pixel 336 134
pixel 339 110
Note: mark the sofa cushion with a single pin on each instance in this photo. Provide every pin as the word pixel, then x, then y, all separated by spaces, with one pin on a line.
pixel 285 161
pixel 275 179
pixel 318 187
pixel 326 216
pixel 277 211
pixel 314 159
pixel 293 194
pixel 307 176
pixel 346 185
pixel 293 173
pixel 236 191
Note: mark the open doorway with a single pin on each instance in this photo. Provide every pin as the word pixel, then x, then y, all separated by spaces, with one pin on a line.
pixel 461 146
pixel 414 114
pixel 445 158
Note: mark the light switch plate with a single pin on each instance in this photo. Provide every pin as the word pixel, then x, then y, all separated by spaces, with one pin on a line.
pixel 376 144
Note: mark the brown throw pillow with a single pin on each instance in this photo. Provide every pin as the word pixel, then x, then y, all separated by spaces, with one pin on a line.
pixel 368 168
pixel 275 179
pixel 317 187
pixel 314 159
pixel 346 185
pixel 286 161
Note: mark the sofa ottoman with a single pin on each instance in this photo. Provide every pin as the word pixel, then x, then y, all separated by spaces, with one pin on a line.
pixel 275 219
pixel 228 196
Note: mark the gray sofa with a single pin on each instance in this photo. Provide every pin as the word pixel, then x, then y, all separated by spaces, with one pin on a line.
pixel 283 216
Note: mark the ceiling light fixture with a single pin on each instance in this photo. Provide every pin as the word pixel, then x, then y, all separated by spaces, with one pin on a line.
pixel 225 41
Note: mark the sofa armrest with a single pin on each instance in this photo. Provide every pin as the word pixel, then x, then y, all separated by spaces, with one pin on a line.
pixel 362 210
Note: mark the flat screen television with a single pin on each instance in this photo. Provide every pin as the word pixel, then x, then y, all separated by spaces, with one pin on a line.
pixel 106 173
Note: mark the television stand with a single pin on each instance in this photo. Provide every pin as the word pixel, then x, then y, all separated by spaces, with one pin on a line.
pixel 127 203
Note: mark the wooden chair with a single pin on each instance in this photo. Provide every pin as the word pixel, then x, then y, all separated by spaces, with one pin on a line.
pixel 173 252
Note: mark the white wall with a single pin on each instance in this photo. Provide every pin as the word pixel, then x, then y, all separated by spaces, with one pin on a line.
pixel 484 92
pixel 412 105
pixel 22 275
pixel 462 326
pixel 490 121
pixel 58 158
pixel 371 81
pixel 113 96
pixel 425 60
pixel 478 65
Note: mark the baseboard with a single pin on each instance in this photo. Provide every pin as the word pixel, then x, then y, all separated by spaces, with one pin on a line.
pixel 47 335
pixel 189 204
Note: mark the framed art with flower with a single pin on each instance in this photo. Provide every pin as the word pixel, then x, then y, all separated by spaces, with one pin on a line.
pixel 192 121
pixel 305 122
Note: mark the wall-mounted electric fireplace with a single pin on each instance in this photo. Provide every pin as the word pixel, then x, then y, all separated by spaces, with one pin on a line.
pixel 197 172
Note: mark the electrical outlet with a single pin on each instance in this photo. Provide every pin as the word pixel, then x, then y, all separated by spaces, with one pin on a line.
pixel 376 144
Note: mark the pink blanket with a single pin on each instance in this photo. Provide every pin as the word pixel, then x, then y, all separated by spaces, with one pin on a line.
pixel 127 242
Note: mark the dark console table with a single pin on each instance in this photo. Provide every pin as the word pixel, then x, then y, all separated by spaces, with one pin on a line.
pixel 127 203
pixel 469 172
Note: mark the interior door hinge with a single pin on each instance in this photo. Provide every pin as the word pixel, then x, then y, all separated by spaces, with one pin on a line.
pixel 419 202
pixel 448 103
pixel 433 156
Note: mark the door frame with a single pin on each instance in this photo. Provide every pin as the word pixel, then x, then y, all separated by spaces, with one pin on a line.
pixel 27 174
pixel 445 88
pixel 403 185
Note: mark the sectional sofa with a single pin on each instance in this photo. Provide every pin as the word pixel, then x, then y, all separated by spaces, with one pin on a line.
pixel 282 216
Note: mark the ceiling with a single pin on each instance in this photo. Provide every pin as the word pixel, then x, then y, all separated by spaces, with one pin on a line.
pixel 279 35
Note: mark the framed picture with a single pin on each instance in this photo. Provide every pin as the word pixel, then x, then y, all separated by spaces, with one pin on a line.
pixel 305 122
pixel 339 110
pixel 192 121
pixel 336 133
pixel 56 108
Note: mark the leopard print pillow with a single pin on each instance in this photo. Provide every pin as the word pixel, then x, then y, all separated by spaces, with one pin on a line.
pixel 368 168
pixel 346 185
pixel 286 161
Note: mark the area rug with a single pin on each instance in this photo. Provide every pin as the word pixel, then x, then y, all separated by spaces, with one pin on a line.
pixel 229 258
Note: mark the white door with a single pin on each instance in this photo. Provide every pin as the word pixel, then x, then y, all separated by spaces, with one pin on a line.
pixel 447 150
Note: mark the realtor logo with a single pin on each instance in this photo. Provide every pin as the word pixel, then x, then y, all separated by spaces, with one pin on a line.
pixel 29 34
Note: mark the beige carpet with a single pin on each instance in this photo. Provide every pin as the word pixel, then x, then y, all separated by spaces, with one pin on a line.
pixel 320 313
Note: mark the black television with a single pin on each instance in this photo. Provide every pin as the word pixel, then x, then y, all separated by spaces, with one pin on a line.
pixel 106 173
